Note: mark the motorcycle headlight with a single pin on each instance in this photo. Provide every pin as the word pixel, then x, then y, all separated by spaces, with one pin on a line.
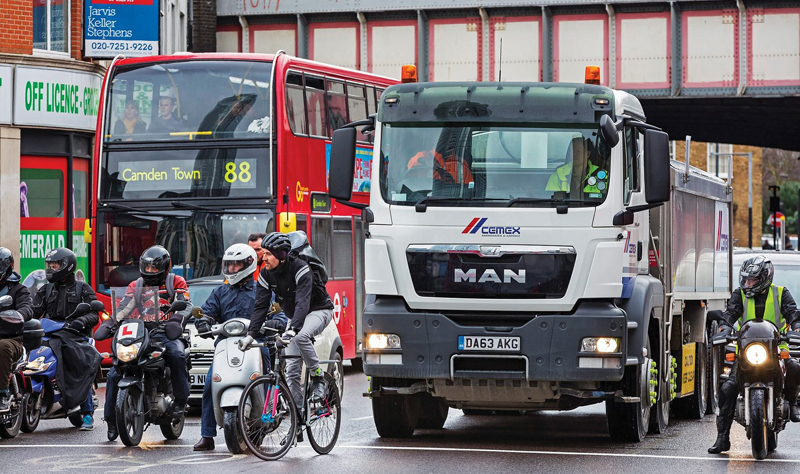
pixel 756 354
pixel 127 353
pixel 234 328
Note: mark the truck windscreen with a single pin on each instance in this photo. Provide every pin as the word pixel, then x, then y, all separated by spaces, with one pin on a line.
pixel 493 164
pixel 189 100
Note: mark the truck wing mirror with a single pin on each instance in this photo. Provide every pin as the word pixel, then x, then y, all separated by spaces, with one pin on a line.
pixel 656 166
pixel 609 131
pixel 343 162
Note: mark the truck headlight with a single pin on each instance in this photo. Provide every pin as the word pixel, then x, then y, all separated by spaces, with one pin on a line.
pixel 600 344
pixel 127 353
pixel 756 354
pixel 383 341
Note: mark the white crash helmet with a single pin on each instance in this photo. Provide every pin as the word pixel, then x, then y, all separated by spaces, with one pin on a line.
pixel 239 253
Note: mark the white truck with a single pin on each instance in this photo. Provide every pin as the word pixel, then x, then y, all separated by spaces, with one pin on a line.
pixel 504 281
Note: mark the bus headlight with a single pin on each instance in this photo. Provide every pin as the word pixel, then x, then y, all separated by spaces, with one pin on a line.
pixel 756 354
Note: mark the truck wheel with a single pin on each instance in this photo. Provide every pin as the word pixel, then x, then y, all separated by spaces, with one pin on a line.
pixel 630 421
pixel 433 412
pixel 659 414
pixel 395 416
pixel 693 407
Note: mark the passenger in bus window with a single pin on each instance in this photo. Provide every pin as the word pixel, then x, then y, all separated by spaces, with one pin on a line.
pixel 167 121
pixel 130 122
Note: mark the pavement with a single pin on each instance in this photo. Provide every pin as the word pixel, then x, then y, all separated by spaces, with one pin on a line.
pixel 551 442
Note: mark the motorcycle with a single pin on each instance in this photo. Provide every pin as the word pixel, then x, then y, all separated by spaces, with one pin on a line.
pixel 233 369
pixel 44 401
pixel 11 421
pixel 145 391
pixel 760 372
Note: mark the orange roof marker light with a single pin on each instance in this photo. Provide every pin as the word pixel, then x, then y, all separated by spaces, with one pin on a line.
pixel 592 75
pixel 409 73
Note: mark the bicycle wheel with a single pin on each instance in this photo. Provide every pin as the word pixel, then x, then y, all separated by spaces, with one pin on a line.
pixel 268 418
pixel 325 418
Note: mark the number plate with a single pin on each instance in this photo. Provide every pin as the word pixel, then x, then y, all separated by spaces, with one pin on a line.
pixel 488 343
pixel 197 380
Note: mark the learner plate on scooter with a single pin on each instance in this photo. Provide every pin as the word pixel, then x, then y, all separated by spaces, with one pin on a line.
pixel 488 343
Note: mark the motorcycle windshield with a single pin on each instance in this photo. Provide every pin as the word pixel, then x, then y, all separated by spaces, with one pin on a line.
pixel 758 330
pixel 145 303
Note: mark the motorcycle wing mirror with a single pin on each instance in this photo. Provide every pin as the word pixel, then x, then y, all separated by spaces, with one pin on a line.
pixel 6 301
pixel 173 331
pixel 197 312
pixel 82 308
pixel 177 306
pixel 97 306
pixel 715 315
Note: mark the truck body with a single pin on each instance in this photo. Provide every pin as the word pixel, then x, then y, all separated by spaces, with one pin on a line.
pixel 530 246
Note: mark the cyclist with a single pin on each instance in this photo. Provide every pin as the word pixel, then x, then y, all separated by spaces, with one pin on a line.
pixel 303 296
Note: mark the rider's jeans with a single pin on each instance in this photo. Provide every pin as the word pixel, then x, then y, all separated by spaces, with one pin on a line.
pixel 315 323
pixel 10 352
pixel 87 407
pixel 208 425
pixel 176 359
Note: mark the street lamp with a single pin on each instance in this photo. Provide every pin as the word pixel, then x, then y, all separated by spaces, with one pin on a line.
pixel 749 156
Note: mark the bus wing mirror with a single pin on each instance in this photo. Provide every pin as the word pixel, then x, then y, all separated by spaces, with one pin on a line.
pixel 87 231
pixel 343 162
pixel 609 131
pixel 287 221
pixel 656 166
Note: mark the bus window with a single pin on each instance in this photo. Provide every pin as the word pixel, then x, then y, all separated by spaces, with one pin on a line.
pixel 342 248
pixel 315 106
pixel 41 192
pixel 371 100
pixel 357 107
pixel 295 104
pixel 337 106
pixel 321 239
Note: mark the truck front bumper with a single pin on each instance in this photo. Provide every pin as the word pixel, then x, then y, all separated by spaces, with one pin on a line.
pixel 549 346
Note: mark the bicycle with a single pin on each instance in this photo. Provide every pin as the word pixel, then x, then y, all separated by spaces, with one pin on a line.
pixel 270 422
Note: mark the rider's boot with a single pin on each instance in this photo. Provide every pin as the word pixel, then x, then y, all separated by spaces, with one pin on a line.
pixel 178 408
pixel 112 430
pixel 5 401
pixel 205 444
pixel 723 442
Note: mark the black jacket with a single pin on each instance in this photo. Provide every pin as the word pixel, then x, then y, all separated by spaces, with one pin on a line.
pixel 296 290
pixel 21 296
pixel 735 308
pixel 63 300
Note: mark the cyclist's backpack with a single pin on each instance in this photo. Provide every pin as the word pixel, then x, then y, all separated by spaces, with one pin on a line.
pixel 301 249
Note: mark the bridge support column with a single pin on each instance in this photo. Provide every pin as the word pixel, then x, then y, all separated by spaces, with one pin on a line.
pixel 547 45
pixel 676 66
pixel 422 46
pixel 612 46
pixel 302 36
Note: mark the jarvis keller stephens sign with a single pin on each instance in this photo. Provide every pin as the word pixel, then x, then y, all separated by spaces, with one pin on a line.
pixel 126 27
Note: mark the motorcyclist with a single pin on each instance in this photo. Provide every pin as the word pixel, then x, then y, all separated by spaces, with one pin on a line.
pixel 155 266
pixel 11 347
pixel 755 297
pixel 235 299
pixel 306 302
pixel 58 299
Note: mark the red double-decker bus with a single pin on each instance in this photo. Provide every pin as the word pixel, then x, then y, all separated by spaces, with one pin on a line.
pixel 197 151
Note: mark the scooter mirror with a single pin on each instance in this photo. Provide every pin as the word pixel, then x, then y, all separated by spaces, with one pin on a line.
pixel 177 306
pixel 197 312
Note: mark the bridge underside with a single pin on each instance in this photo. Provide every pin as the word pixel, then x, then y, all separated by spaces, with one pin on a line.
pixel 758 121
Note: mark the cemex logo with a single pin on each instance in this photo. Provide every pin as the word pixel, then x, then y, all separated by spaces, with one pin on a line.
pixel 477 225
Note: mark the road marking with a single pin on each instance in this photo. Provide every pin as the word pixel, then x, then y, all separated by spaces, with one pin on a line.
pixel 745 454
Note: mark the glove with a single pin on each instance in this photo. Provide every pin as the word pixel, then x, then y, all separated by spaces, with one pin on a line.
pixel 725 328
pixel 273 324
pixel 287 337
pixel 75 325
pixel 203 327
pixel 244 343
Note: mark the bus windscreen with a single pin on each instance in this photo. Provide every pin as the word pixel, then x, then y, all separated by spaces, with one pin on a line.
pixel 189 100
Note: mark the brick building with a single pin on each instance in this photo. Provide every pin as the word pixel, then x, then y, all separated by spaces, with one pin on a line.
pixel 701 156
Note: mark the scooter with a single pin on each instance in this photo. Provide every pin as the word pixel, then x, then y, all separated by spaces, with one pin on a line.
pixel 760 372
pixel 232 370
pixel 44 401
pixel 11 420
pixel 145 391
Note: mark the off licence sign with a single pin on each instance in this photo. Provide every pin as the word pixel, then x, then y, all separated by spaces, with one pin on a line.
pixel 488 343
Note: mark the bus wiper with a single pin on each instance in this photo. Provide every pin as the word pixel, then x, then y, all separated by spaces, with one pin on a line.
pixel 124 207
pixel 185 205
pixel 422 204
pixel 521 199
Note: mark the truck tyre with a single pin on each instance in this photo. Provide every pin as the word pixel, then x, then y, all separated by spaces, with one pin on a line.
pixel 630 421
pixel 395 416
pixel 659 413
pixel 693 407
pixel 433 412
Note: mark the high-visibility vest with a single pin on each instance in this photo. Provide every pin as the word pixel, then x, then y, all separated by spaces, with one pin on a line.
pixel 772 310
pixel 560 179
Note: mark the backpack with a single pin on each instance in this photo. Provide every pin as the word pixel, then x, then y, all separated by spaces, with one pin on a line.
pixel 301 249
pixel 170 284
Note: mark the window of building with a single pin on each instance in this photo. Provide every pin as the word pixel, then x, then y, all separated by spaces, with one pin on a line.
pixel 717 163
pixel 41 192
pixel 51 25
